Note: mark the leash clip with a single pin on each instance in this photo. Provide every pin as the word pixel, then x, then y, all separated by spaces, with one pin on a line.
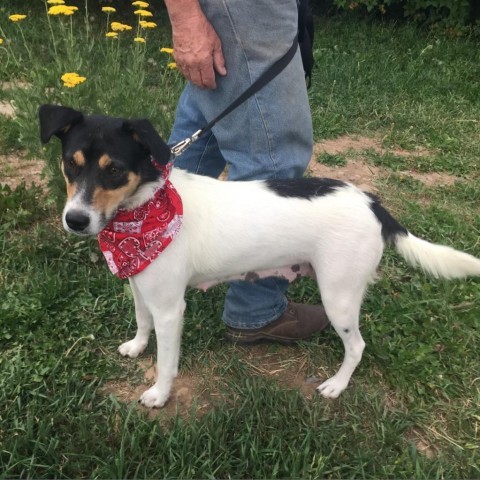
pixel 180 147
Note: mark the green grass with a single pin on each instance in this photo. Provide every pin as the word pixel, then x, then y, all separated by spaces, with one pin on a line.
pixel 412 410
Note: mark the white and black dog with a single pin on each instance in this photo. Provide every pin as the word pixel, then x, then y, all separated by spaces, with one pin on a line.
pixel 228 230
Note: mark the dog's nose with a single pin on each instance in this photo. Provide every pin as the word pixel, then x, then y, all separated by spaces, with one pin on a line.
pixel 77 220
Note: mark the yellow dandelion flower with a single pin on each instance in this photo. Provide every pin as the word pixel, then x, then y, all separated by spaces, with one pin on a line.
pixel 108 10
pixel 172 65
pixel 1 41
pixel 139 40
pixel 17 17
pixel 62 10
pixel 56 2
pixel 140 4
pixel 119 27
pixel 145 24
pixel 143 13
pixel 167 50
pixel 112 34
pixel 72 79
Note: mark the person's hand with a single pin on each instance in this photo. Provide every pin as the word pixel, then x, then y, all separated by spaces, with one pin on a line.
pixel 197 50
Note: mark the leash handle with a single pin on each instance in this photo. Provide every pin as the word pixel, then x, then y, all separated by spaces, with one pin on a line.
pixel 261 81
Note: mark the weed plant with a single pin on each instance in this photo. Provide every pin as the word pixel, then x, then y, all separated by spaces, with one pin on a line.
pixel 412 410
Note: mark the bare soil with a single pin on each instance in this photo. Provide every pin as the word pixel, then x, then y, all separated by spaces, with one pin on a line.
pixel 7 109
pixel 196 393
pixel 15 169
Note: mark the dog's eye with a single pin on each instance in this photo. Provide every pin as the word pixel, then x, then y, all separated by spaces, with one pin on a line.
pixel 115 171
pixel 70 162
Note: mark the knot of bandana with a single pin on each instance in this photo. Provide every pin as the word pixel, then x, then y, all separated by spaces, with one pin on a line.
pixel 134 238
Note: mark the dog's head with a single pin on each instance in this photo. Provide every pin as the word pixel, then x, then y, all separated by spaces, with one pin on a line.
pixel 105 161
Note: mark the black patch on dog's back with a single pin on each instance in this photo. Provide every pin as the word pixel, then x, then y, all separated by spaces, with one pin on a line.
pixel 391 228
pixel 306 188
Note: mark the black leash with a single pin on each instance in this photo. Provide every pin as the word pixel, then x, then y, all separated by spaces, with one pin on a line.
pixel 266 77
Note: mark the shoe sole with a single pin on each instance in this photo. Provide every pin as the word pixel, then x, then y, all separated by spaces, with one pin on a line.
pixel 259 338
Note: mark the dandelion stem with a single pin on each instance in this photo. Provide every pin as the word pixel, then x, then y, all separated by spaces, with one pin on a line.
pixel 25 44
pixel 87 26
pixel 71 32
pixel 51 31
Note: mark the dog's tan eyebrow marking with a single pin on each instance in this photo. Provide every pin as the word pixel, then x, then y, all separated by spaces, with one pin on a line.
pixel 106 201
pixel 71 187
pixel 104 161
pixel 79 158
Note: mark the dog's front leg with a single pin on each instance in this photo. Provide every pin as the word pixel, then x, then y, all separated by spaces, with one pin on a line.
pixel 168 322
pixel 144 319
pixel 163 295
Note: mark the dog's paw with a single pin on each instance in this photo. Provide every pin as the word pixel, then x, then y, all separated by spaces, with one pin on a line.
pixel 132 349
pixel 154 398
pixel 332 388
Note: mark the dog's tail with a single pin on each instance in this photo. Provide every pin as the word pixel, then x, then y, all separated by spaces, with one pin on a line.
pixel 439 261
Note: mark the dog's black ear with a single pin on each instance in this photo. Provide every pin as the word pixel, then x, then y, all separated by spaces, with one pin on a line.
pixel 144 132
pixel 56 120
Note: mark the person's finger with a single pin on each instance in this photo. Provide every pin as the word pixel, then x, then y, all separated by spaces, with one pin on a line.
pixel 207 74
pixel 195 77
pixel 219 61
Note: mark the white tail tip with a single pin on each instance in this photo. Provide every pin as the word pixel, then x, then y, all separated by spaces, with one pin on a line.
pixel 439 261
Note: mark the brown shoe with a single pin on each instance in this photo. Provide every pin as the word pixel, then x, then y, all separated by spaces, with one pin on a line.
pixel 298 322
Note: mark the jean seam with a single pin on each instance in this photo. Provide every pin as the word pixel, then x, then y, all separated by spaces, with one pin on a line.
pixel 199 163
pixel 255 96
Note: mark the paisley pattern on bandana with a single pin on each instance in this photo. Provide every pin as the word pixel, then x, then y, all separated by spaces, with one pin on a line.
pixel 134 238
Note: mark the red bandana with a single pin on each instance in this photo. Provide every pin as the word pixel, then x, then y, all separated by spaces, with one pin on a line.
pixel 134 238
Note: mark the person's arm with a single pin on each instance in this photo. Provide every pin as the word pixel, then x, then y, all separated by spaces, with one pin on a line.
pixel 197 49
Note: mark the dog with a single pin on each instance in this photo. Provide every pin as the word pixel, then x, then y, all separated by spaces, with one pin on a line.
pixel 226 230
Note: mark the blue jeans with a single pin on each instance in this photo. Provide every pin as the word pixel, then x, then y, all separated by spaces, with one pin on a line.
pixel 269 136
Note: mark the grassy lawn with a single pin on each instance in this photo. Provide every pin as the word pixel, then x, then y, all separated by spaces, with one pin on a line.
pixel 68 400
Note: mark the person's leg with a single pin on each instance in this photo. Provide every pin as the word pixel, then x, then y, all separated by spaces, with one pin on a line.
pixel 269 136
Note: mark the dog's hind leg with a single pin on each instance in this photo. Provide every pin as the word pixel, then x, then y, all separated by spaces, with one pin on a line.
pixel 342 298
pixel 144 320
pixel 343 312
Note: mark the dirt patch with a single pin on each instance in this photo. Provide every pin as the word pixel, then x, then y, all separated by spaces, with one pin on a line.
pixel 423 445
pixel 346 143
pixel 286 365
pixel 433 179
pixel 187 395
pixel 7 109
pixel 197 393
pixel 17 84
pixel 360 172
pixel 14 169
pixel 357 170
